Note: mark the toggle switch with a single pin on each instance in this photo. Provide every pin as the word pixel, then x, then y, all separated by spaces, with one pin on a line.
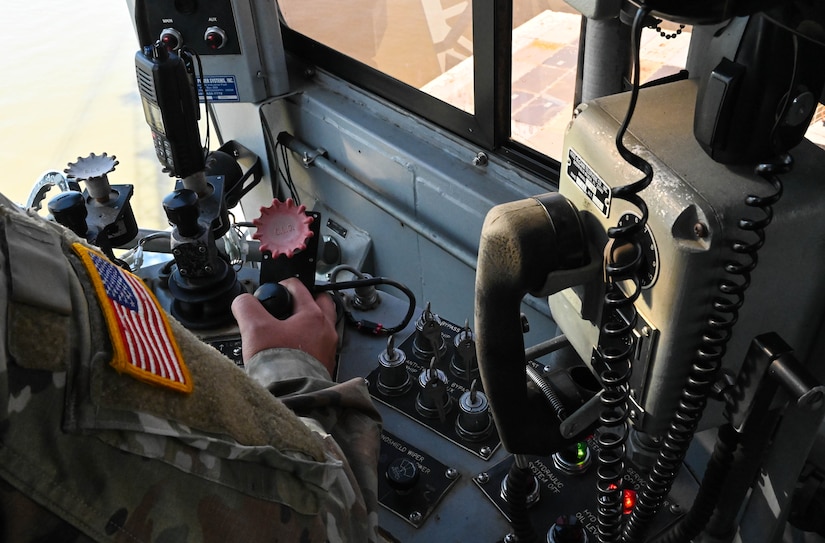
pixel 464 363
pixel 474 422
pixel 433 401
pixel 393 378
pixel 428 341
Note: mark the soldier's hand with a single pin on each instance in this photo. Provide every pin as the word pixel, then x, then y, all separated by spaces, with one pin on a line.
pixel 310 328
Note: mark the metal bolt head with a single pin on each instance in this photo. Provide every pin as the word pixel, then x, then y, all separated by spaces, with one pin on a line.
pixel 485 451
pixel 510 538
pixel 451 473
pixel 415 517
pixel 483 478
pixel 700 230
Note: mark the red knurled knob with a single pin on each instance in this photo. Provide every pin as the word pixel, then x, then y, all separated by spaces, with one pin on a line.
pixel 283 228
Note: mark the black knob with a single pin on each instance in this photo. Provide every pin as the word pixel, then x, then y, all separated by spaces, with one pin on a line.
pixel 69 209
pixel 182 210
pixel 330 251
pixel 402 475
pixel 276 299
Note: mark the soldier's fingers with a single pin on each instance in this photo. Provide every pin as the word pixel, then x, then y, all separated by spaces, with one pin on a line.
pixel 247 309
pixel 327 305
pixel 301 297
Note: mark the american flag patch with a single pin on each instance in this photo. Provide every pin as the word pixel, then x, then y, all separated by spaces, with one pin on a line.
pixel 142 339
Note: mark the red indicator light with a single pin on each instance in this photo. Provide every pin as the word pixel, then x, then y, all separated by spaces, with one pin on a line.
pixel 628 501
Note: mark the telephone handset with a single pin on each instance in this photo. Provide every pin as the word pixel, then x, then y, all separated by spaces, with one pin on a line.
pixel 536 246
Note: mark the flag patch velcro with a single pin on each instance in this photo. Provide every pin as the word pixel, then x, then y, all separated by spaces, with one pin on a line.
pixel 144 346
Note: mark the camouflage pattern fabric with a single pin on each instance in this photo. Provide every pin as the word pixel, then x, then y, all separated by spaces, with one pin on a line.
pixel 280 453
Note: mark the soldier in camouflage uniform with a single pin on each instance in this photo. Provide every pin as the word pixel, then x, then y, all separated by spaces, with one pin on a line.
pixel 277 453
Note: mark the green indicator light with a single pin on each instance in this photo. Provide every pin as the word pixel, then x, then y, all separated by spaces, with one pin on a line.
pixel 581 451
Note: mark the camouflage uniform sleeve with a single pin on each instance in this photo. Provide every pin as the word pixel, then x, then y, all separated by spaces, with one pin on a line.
pixel 87 453
pixel 342 412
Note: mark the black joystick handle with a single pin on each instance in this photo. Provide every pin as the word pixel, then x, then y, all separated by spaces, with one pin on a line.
pixel 181 207
pixel 276 299
pixel 69 209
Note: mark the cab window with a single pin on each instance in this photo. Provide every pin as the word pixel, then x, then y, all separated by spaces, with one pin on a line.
pixel 502 74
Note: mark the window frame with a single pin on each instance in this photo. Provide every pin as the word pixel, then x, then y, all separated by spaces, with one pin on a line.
pixel 489 126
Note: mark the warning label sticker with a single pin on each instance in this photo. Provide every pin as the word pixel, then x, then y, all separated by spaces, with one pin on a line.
pixel 219 88
pixel 589 182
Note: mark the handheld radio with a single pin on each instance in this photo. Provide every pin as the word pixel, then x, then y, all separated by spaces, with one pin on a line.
pixel 170 104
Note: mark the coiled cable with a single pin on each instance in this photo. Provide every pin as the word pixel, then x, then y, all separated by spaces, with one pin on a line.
pixel 713 482
pixel 708 362
pixel 623 257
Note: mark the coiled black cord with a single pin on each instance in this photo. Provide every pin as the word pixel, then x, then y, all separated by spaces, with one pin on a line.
pixel 519 482
pixel 616 342
pixel 705 370
pixel 713 482
pixel 719 329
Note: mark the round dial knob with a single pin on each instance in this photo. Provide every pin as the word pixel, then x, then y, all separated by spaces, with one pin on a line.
pixel 283 228
pixel 402 475
pixel 215 37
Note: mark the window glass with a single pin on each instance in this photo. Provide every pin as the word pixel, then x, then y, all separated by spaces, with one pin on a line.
pixel 427 44
pixel 58 106
pixel 545 57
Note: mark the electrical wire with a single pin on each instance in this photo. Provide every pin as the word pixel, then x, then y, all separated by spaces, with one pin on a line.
pixel 363 325
pixel 286 174
pixel 623 256
pixel 202 81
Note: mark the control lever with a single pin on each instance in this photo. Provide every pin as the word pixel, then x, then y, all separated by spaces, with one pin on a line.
pixel 538 246
pixel 583 417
